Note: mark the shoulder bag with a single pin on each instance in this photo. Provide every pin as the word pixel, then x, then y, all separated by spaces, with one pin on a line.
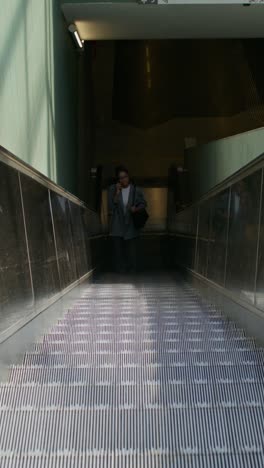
pixel 141 216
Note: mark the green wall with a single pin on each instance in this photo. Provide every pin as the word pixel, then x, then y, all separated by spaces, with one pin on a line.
pixel 212 163
pixel 38 88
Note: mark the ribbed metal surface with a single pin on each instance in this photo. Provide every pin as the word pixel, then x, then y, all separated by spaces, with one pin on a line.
pixel 136 375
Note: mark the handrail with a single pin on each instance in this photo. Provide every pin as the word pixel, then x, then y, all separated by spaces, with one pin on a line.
pixel 234 240
pixel 65 258
pixel 246 170
pixel 13 161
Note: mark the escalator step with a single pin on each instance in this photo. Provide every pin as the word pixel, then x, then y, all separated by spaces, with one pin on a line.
pixel 137 375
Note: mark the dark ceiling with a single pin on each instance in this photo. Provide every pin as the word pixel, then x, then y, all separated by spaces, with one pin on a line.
pixel 156 81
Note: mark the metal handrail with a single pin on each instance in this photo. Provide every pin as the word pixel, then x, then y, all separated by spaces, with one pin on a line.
pixel 13 161
pixel 250 168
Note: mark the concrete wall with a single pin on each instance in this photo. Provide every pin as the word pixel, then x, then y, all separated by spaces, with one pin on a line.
pixel 212 163
pixel 38 86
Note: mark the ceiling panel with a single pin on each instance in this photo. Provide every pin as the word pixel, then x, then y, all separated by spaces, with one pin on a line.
pixel 156 81
pixel 130 20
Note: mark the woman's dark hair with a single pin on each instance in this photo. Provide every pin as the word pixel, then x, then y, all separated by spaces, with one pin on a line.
pixel 120 169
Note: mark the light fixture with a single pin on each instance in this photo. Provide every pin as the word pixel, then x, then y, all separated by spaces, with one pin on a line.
pixel 76 37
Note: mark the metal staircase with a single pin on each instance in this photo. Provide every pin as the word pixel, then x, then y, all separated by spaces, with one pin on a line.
pixel 137 374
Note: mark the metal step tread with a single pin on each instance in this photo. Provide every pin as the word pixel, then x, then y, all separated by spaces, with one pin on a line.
pixel 136 375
